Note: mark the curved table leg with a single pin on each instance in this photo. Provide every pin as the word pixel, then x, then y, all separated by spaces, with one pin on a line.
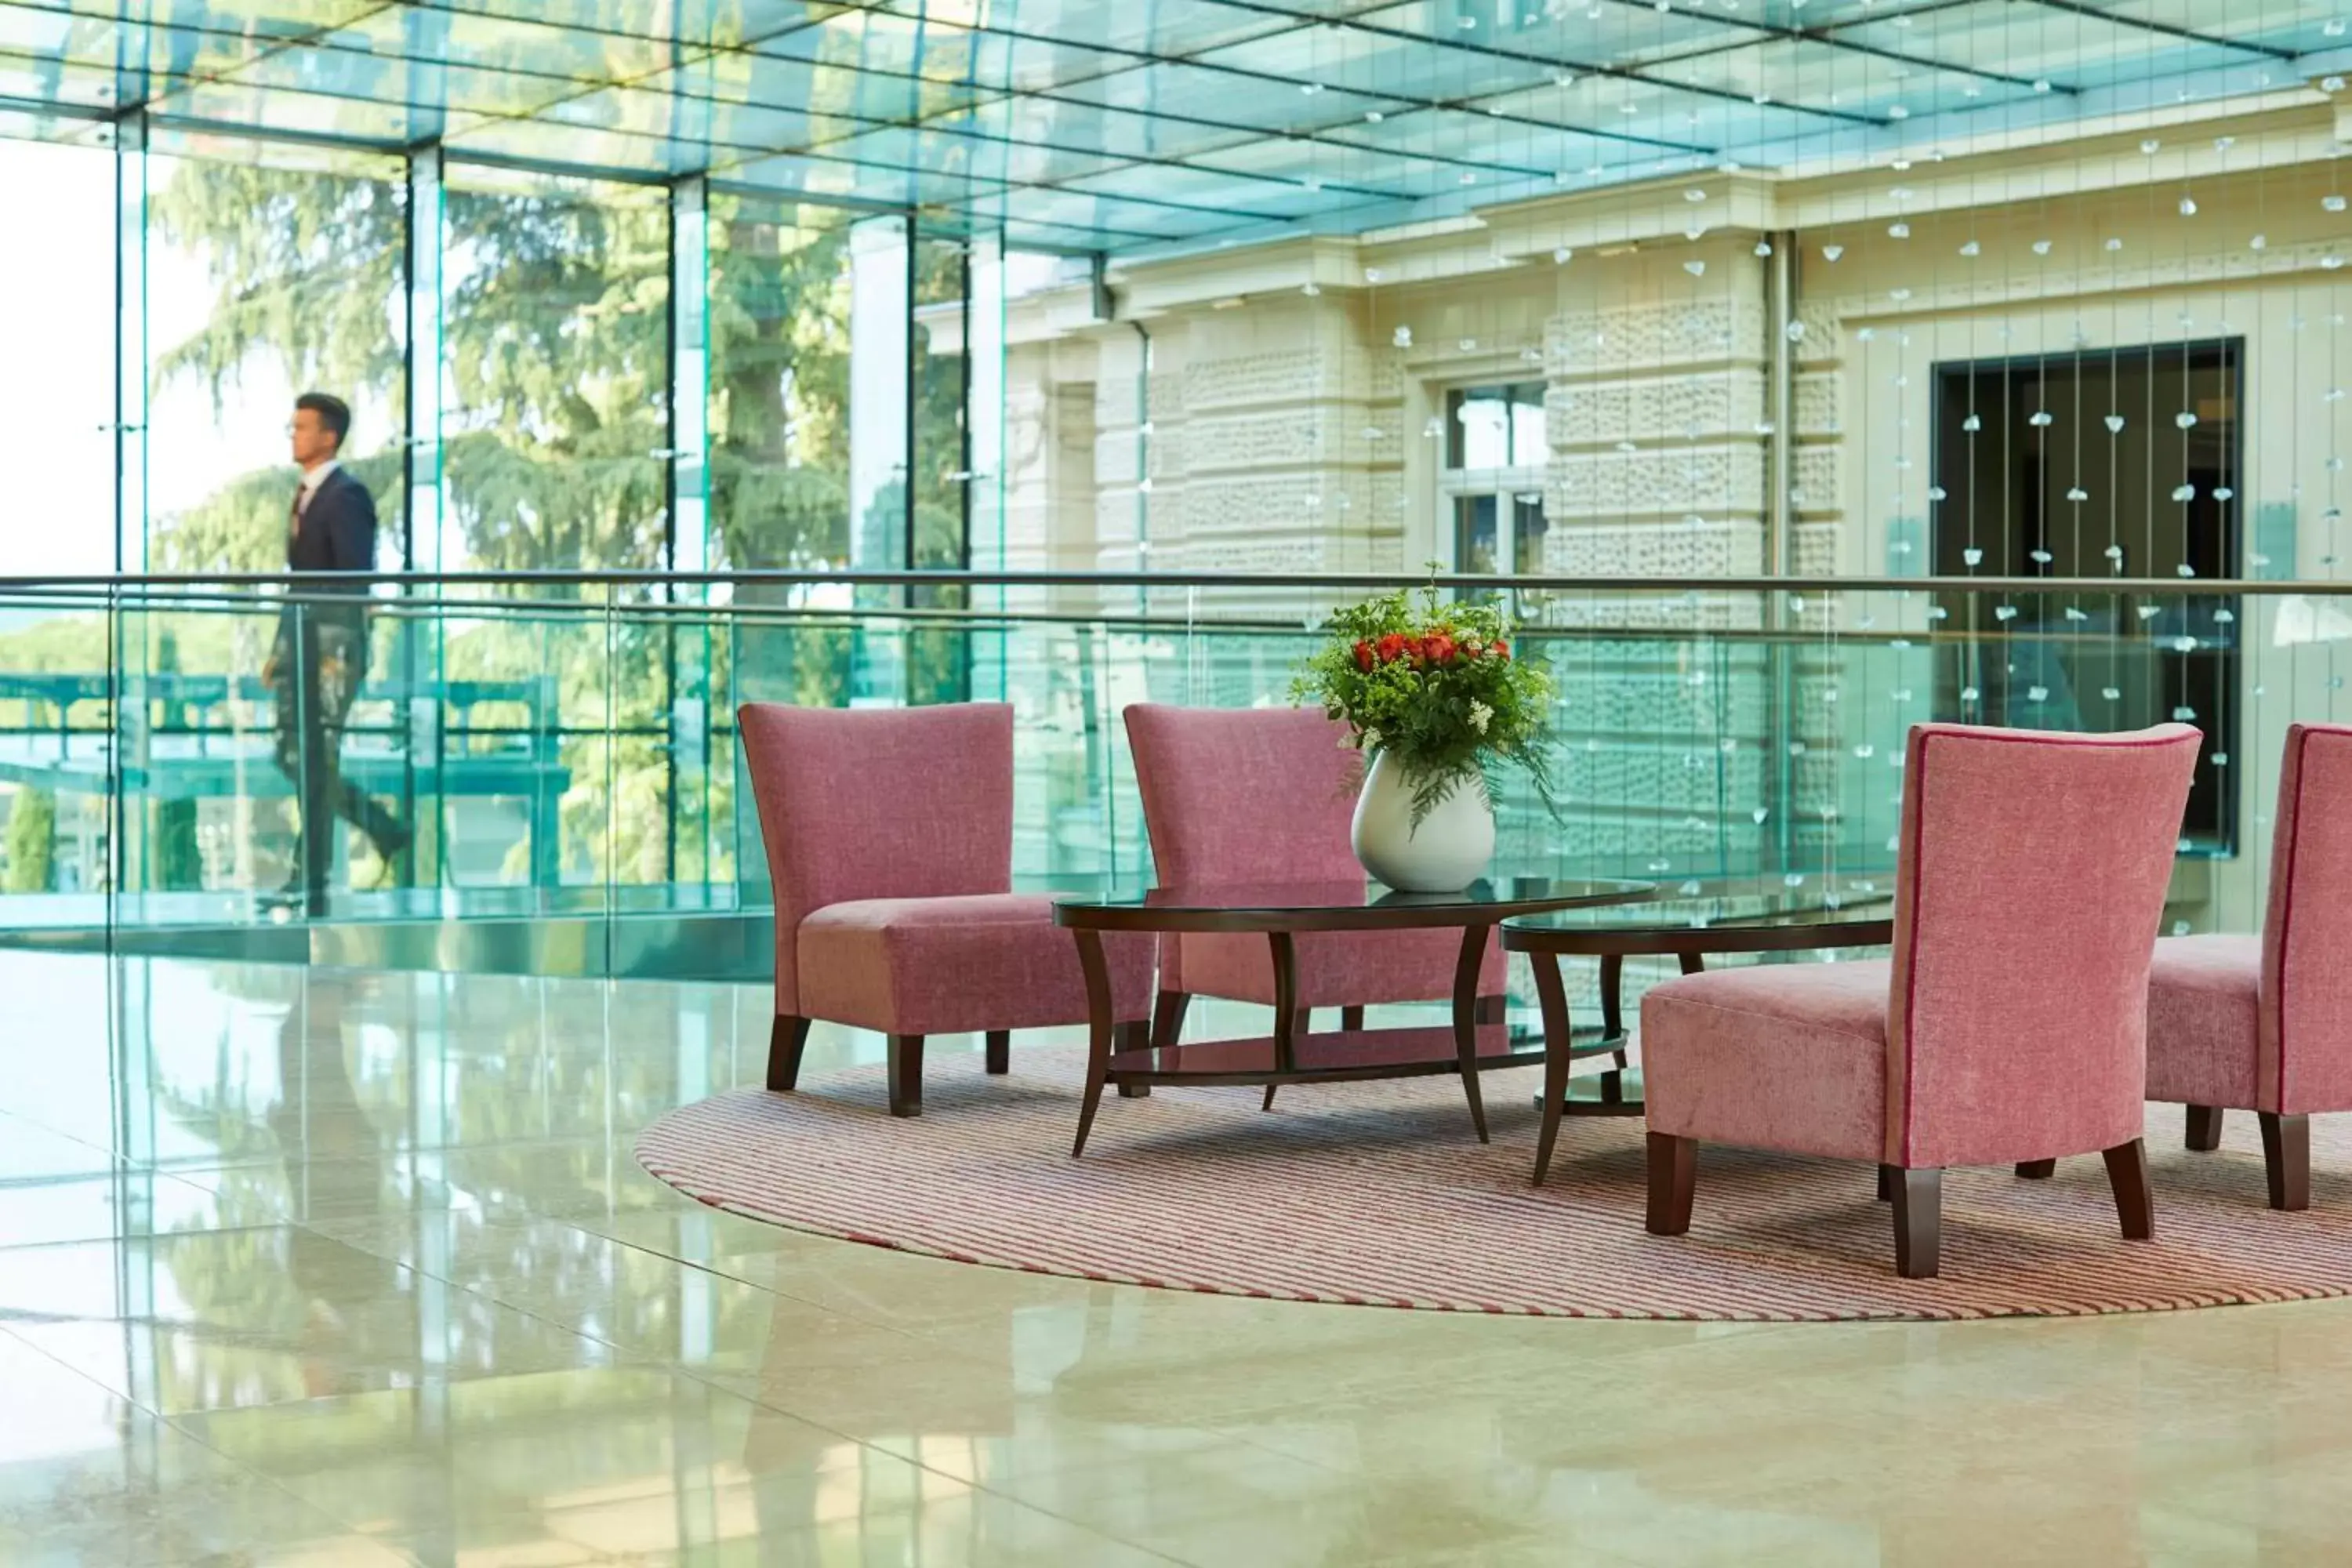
pixel 1289 1018
pixel 1099 1030
pixel 1553 996
pixel 1612 1002
pixel 1465 1020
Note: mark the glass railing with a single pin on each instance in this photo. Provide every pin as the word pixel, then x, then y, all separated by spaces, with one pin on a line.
pixel 554 759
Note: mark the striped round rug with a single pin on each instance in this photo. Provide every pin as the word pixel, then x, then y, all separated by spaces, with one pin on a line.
pixel 1380 1195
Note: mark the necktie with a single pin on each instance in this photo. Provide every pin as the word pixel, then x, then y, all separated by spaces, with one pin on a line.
pixel 294 518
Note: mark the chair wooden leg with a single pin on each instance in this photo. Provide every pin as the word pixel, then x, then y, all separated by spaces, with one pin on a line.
pixel 2287 1160
pixel 787 1038
pixel 1918 1223
pixel 2204 1128
pixel 2037 1170
pixel 1886 1178
pixel 1168 1017
pixel 1674 1179
pixel 1351 1017
pixel 2135 1199
pixel 1492 1010
pixel 999 1051
pixel 905 1075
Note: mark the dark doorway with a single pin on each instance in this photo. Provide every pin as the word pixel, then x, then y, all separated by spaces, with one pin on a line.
pixel 2095 465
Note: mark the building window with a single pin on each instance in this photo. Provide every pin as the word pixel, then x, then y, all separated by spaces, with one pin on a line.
pixel 1495 427
pixel 2090 465
pixel 1496 452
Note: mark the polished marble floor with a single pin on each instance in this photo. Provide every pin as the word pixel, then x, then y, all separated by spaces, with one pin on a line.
pixel 328 1267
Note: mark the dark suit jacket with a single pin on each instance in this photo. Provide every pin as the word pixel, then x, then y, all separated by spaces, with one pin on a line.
pixel 337 533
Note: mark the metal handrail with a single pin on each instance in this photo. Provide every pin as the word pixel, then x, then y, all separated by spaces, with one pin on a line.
pixel 1236 582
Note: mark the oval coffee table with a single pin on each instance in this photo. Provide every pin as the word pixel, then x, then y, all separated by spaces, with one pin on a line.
pixel 1749 915
pixel 1291 1055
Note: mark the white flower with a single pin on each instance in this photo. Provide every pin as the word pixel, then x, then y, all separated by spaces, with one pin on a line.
pixel 1372 740
pixel 1480 715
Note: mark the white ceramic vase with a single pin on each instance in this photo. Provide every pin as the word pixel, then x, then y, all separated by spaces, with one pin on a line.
pixel 1448 850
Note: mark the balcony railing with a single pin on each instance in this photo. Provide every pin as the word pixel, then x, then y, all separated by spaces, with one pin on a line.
pixel 563 743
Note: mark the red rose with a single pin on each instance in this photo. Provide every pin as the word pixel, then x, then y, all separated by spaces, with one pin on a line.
pixel 1438 647
pixel 1392 647
pixel 1502 648
pixel 1364 655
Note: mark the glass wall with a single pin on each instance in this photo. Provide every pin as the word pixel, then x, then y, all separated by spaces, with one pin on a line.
pixel 779 393
pixel 556 366
pixel 271 270
pixel 57 378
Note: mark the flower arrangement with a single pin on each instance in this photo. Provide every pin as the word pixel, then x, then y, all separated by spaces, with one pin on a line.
pixel 1435 687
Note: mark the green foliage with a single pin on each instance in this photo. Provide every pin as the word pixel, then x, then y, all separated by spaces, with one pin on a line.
pixel 1436 685
pixel 32 842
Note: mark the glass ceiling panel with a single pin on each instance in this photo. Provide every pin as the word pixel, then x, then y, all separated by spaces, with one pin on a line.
pixel 721 22
pixel 1224 97
pixel 833 179
pixel 1823 75
pixel 539 141
pixel 502 43
pixel 1488 144
pixel 389 81
pixel 2067 49
pixel 933 153
pixel 132 48
pixel 1214 190
pixel 257 18
pixel 821 91
pixel 1228 114
pixel 1113 133
pixel 1131 220
pixel 2296 24
pixel 1160 28
pixel 277 107
pixel 49 82
pixel 1034 65
pixel 1569 35
pixel 1793 16
pixel 1359 172
pixel 1376 66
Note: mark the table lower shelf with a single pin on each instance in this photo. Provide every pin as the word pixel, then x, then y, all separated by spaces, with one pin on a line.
pixel 1335 1057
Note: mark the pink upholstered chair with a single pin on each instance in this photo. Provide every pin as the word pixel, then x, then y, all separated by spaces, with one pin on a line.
pixel 2264 1023
pixel 2011 1025
pixel 889 838
pixel 1266 794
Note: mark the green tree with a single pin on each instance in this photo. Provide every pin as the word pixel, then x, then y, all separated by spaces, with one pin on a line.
pixel 32 842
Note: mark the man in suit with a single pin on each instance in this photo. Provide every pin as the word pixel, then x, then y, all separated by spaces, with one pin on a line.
pixel 320 655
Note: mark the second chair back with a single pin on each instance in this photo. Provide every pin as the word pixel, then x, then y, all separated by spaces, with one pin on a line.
pixel 1247 794
pixel 2033 871
pixel 2306 1059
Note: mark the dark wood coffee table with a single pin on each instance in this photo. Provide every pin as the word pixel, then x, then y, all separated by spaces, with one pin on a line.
pixel 1746 914
pixel 1280 912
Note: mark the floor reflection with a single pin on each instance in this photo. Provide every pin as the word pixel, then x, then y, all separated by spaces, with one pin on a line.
pixel 347 1268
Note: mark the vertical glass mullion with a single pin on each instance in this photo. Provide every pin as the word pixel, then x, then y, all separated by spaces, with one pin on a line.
pixel 687 642
pixel 127 817
pixel 984 538
pixel 423 641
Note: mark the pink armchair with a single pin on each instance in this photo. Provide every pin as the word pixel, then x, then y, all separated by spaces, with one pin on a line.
pixel 2264 1023
pixel 2011 1025
pixel 889 839
pixel 1265 794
